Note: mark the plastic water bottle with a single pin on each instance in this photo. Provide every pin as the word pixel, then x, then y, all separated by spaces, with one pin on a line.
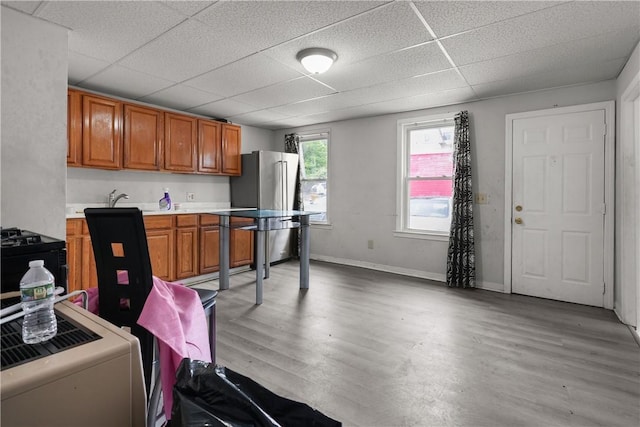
pixel 37 294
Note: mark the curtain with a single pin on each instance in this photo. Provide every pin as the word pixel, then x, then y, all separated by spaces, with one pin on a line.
pixel 461 266
pixel 292 145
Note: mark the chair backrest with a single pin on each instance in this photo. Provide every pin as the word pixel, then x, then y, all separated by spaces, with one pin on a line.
pixel 124 271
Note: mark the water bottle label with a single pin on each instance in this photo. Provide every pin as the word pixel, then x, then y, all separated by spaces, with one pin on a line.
pixel 39 292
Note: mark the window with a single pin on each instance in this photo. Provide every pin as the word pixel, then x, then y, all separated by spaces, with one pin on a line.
pixel 425 175
pixel 314 159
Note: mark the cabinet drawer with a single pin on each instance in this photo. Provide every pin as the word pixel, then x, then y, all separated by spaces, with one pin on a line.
pixel 158 222
pixel 236 221
pixel 209 220
pixel 74 227
pixel 186 220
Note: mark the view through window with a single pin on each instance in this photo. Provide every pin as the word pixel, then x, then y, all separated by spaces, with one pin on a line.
pixel 427 181
pixel 314 159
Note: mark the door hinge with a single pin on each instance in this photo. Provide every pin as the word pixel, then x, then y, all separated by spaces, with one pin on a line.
pixel 603 209
pixel 604 129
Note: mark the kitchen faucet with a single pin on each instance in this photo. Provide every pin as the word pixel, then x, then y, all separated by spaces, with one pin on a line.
pixel 113 199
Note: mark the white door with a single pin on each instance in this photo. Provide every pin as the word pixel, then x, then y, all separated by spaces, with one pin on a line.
pixel 558 207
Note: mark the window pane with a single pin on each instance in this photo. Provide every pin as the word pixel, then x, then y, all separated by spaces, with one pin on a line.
pixel 314 195
pixel 313 156
pixel 430 152
pixel 430 204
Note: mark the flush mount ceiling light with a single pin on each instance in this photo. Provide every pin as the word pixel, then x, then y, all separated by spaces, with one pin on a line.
pixel 316 60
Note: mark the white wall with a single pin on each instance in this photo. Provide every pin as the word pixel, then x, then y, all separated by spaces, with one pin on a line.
pixel 627 283
pixel 34 124
pixel 362 173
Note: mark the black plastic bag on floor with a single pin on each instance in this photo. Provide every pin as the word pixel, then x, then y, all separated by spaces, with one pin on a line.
pixel 210 395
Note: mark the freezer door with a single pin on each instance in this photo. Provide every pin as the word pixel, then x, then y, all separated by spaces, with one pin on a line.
pixel 289 174
pixel 270 182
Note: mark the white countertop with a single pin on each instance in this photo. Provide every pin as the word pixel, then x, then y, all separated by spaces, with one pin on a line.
pixel 76 210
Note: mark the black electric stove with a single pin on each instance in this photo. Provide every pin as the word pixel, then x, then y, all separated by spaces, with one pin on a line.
pixel 21 246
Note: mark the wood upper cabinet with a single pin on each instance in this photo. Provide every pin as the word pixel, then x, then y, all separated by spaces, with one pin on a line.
pixel 231 146
pixel 209 146
pixel 180 142
pixel 101 132
pixel 162 245
pixel 186 246
pixel 74 128
pixel 143 136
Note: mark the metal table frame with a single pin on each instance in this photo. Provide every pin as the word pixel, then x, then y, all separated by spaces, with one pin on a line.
pixel 262 225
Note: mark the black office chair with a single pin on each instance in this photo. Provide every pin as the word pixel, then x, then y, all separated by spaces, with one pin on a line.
pixel 120 247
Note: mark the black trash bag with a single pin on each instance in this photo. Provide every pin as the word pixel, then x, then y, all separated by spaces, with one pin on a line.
pixel 209 395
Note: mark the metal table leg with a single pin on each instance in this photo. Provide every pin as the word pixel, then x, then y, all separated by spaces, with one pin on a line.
pixel 304 252
pixel 224 252
pixel 267 255
pixel 260 258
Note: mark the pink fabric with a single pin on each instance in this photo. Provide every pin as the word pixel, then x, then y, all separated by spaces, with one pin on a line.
pixel 173 313
pixel 93 303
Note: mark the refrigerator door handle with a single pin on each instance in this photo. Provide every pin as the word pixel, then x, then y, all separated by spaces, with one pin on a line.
pixel 286 185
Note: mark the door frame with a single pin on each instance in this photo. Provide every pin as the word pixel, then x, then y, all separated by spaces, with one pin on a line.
pixel 609 188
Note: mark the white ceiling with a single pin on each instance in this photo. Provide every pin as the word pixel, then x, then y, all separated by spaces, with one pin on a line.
pixel 237 59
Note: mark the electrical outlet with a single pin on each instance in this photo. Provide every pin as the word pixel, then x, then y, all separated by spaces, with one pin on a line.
pixel 370 244
pixel 482 198
pixel 191 197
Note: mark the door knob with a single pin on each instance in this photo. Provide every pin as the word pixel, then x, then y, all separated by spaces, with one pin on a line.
pixel 518 220
pixel 518 208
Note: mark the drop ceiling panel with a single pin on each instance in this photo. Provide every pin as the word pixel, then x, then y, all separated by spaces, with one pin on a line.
pixel 109 30
pixel 124 82
pixel 243 76
pixel 592 50
pixel 190 49
pixel 430 100
pixel 257 117
pixel 24 6
pixel 547 27
pixel 181 97
pixel 188 8
pixel 385 29
pixel 259 25
pixel 403 64
pixel 81 67
pixel 223 108
pixel 284 93
pixel 451 17
pixel 569 76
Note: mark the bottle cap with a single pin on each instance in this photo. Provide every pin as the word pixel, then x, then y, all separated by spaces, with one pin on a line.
pixel 166 190
pixel 36 263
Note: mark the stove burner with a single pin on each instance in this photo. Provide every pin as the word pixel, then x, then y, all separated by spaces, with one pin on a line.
pixel 10 237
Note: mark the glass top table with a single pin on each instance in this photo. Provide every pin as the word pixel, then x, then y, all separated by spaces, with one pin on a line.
pixel 264 222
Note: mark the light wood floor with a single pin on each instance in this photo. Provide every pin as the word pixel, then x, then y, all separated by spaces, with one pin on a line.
pixel 375 349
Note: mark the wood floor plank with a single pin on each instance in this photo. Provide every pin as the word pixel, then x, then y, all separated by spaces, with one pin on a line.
pixel 376 349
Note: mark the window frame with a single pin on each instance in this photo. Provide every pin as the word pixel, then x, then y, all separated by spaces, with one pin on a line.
pixel 314 135
pixel 404 126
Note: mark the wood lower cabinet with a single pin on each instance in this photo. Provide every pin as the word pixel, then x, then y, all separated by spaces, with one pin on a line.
pixel 101 132
pixel 209 244
pixel 180 246
pixel 162 245
pixel 187 246
pixel 240 243
pixel 143 136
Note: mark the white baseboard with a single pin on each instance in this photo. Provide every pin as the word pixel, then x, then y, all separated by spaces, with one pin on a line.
pixel 437 277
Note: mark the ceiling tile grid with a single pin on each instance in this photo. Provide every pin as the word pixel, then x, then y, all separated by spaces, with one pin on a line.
pixel 237 59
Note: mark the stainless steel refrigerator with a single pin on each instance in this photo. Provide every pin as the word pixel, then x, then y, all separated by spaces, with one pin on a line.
pixel 268 181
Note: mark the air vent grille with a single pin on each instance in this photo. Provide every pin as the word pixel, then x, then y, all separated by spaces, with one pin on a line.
pixel 15 352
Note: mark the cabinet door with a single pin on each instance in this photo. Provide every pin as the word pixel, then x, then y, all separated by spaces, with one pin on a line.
pixel 161 251
pixel 180 142
pixel 101 132
pixel 209 146
pixel 74 254
pixel 74 128
pixel 89 273
pixel 240 247
pixel 209 249
pixel 231 146
pixel 143 135
pixel 186 252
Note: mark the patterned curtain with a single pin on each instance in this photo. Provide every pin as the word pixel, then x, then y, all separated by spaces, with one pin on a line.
pixel 292 145
pixel 461 265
